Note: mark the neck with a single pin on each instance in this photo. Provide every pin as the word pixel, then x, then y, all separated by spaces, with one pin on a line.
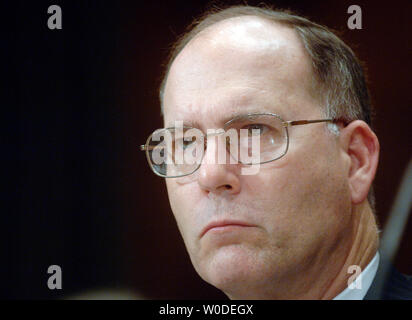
pixel 364 246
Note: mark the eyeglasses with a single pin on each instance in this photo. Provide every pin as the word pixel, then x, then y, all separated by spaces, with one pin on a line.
pixel 253 138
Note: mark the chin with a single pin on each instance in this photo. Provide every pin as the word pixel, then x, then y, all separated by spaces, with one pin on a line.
pixel 234 268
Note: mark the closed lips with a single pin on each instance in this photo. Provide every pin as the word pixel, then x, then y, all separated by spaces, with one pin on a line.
pixel 224 223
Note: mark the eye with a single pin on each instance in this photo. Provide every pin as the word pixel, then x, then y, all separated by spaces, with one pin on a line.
pixel 256 126
pixel 185 142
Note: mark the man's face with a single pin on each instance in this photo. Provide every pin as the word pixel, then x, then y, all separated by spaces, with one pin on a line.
pixel 295 210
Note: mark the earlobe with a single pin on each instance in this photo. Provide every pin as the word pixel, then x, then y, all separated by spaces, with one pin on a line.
pixel 362 147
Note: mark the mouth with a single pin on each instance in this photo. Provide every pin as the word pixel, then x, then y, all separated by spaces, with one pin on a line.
pixel 225 226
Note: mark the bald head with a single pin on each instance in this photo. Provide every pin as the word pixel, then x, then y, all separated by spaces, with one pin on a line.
pixel 240 52
pixel 248 33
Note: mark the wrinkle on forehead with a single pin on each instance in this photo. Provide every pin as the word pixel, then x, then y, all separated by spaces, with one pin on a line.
pixel 232 102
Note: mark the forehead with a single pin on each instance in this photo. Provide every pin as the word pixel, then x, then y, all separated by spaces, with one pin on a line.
pixel 237 66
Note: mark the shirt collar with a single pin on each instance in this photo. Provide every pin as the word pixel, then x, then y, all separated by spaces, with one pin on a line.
pixel 366 277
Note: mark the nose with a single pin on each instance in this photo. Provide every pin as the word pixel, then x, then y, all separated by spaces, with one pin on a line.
pixel 218 177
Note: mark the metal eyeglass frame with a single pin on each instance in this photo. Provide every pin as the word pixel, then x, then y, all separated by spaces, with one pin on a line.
pixel 285 124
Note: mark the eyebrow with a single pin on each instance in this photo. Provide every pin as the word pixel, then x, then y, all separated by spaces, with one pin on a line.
pixel 228 117
pixel 238 113
pixel 186 123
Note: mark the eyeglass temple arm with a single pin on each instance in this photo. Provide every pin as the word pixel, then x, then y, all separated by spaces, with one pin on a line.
pixel 300 122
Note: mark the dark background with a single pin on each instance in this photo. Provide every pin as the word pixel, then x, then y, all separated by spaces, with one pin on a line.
pixel 86 97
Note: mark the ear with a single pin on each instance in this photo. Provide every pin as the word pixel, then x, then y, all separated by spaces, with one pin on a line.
pixel 362 147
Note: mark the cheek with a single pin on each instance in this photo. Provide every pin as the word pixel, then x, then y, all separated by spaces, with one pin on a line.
pixel 302 191
pixel 182 199
pixel 178 202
